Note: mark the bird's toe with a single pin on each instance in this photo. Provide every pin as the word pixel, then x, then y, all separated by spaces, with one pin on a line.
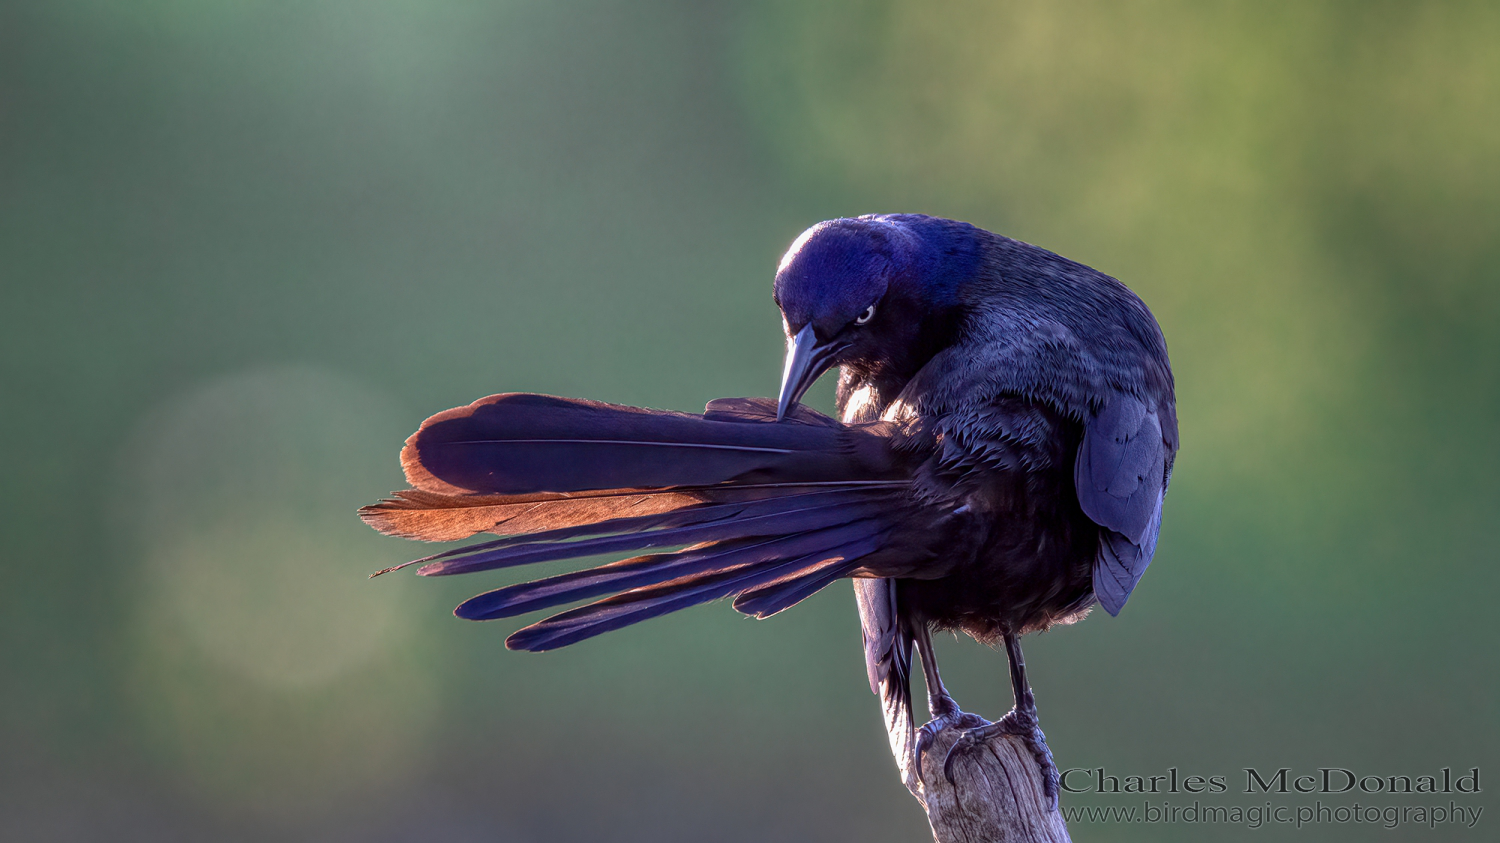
pixel 1023 724
pixel 946 715
pixel 970 740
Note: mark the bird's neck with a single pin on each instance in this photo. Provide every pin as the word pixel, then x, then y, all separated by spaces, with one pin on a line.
pixel 863 400
pixel 869 386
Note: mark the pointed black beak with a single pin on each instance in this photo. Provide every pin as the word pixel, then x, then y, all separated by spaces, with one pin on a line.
pixel 805 361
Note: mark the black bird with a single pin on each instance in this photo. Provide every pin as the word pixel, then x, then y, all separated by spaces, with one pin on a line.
pixel 1008 432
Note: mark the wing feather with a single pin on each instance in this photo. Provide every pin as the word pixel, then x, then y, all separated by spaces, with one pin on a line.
pixel 1121 476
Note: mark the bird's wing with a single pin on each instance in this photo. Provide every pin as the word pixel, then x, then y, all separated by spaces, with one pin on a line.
pixel 977 426
pixel 765 512
pixel 1121 475
pixel 1002 399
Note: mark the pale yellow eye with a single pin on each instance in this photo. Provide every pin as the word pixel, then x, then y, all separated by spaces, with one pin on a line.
pixel 866 316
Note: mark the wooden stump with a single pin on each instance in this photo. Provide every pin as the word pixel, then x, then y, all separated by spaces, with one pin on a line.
pixel 995 797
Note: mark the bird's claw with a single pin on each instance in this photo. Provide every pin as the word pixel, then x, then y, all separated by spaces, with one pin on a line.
pixel 1022 725
pixel 945 714
pixel 967 740
pixel 1030 731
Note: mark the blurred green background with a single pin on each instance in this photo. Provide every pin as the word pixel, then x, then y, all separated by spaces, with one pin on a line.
pixel 247 247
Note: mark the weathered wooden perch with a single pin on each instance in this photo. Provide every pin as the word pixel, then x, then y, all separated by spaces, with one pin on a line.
pixel 995 797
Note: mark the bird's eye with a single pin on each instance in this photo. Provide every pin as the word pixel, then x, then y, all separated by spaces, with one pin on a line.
pixel 866 316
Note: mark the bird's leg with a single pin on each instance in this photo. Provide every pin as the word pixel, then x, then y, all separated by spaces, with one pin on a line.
pixel 941 707
pixel 1020 721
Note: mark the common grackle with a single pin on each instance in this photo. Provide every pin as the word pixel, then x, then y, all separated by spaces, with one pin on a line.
pixel 1008 432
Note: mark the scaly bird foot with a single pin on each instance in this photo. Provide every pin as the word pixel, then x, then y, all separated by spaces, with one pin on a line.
pixel 945 713
pixel 1023 725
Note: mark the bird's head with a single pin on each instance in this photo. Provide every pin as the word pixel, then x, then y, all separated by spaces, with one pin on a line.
pixel 872 292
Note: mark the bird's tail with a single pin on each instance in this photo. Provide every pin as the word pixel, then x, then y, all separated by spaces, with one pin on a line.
pixel 764 512
pixel 888 644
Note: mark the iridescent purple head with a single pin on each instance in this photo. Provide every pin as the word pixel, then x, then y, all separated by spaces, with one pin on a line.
pixel 861 291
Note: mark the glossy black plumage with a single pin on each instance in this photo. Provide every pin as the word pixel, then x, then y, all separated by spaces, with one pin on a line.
pixel 1007 436
pixel 769 508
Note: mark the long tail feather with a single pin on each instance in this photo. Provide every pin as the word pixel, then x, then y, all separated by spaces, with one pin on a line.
pixel 825 496
pixel 414 514
pixel 641 604
pixel 895 707
pixel 768 520
pixel 765 601
pixel 764 512
pixel 654 570
pixel 521 444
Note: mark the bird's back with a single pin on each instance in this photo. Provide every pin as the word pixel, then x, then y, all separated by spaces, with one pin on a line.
pixel 996 420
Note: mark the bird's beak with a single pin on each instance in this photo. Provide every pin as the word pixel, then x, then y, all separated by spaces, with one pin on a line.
pixel 805 361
